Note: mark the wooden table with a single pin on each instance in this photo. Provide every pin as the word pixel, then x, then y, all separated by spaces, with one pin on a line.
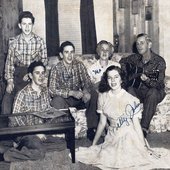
pixel 63 124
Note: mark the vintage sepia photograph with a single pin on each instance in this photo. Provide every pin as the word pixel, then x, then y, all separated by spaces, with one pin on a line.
pixel 84 85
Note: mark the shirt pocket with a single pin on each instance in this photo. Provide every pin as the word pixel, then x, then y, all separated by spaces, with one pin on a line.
pixel 35 55
pixel 19 55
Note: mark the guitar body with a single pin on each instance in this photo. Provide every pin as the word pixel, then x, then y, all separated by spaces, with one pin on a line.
pixel 135 72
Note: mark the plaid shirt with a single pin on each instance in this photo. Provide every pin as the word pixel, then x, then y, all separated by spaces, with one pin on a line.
pixel 27 100
pixel 22 53
pixel 61 82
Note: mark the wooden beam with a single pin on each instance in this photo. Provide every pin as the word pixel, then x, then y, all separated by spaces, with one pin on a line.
pixel 127 28
pixel 153 25
pixel 9 12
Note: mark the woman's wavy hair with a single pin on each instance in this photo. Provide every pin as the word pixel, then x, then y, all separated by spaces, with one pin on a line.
pixel 103 85
pixel 98 48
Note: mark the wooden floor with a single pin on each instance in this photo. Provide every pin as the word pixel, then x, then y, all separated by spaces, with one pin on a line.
pixel 154 139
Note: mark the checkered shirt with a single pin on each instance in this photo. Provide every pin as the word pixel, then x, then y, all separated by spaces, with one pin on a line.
pixel 27 100
pixel 22 53
pixel 61 82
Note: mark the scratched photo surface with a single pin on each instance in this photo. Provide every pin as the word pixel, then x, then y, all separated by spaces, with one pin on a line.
pixel 116 21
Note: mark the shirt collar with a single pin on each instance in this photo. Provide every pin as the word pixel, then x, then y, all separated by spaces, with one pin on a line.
pixel 32 91
pixel 22 37
pixel 151 59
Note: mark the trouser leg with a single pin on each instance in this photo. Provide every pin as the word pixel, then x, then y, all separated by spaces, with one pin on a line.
pixel 91 114
pixel 151 100
pixel 7 103
pixel 59 102
pixel 30 148
pixel 19 83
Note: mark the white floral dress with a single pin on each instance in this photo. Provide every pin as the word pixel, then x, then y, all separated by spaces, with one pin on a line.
pixel 122 148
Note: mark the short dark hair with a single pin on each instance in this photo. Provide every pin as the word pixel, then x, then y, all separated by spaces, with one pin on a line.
pixel 64 44
pixel 103 85
pixel 144 35
pixel 26 14
pixel 35 64
pixel 98 48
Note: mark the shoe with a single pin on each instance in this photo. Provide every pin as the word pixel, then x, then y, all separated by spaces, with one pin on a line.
pixel 91 134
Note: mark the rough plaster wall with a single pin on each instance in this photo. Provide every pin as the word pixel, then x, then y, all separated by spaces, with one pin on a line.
pixel 37 8
pixel 164 33
pixel 104 20
pixel 104 23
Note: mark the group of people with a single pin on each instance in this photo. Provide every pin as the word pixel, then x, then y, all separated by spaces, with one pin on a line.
pixel 120 96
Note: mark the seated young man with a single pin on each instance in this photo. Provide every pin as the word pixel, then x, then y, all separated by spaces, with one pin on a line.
pixel 33 97
pixel 70 85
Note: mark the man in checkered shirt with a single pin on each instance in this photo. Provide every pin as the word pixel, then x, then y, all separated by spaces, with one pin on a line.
pixel 70 85
pixel 34 97
pixel 23 50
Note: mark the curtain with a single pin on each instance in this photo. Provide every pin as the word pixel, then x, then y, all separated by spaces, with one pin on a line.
pixel 88 29
pixel 52 29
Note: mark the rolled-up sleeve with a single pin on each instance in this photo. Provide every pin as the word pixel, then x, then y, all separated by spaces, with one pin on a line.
pixel 55 84
pixel 9 65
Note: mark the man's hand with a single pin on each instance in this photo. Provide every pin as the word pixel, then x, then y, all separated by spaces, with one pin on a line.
pixel 144 77
pixel 86 97
pixel 26 77
pixel 76 94
pixel 10 86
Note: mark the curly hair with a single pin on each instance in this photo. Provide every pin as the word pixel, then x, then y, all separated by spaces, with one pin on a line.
pixel 103 85
pixel 26 14
pixel 99 46
pixel 35 64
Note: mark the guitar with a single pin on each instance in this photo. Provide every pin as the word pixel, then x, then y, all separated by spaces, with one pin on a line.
pixel 135 72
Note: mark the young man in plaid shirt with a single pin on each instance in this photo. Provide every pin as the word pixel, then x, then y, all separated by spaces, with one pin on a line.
pixel 23 50
pixel 70 85
pixel 34 97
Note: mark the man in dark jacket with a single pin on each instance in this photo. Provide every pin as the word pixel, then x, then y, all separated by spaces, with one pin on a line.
pixel 145 73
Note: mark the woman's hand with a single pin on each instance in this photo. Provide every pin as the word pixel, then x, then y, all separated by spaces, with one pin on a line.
pixel 153 153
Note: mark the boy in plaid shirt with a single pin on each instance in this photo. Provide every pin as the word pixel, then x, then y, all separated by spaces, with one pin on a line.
pixel 23 50
pixel 70 85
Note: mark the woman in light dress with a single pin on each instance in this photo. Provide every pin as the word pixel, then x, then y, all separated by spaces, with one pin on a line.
pixel 124 146
pixel 104 52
